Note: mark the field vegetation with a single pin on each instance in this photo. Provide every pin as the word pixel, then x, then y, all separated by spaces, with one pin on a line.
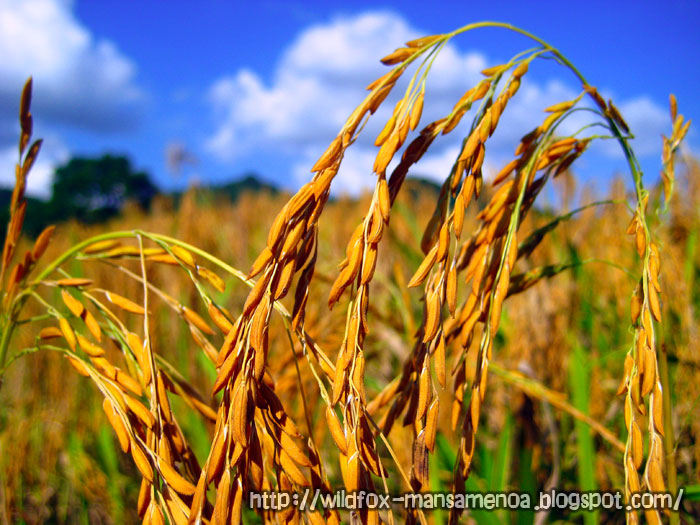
pixel 521 333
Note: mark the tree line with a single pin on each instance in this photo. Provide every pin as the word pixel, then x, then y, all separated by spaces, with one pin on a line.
pixel 94 190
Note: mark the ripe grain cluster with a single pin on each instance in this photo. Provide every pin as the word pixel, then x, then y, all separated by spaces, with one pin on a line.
pixel 469 268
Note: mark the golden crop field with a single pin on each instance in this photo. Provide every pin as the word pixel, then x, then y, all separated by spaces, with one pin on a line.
pixel 165 365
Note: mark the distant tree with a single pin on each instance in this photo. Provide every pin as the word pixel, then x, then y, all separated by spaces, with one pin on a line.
pixel 93 190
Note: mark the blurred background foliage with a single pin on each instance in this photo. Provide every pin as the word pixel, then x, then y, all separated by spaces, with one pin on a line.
pixel 60 461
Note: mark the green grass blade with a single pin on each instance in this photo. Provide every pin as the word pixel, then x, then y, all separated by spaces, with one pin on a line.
pixel 579 378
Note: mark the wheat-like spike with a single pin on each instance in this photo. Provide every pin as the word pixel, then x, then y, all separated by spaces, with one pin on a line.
pixel 256 445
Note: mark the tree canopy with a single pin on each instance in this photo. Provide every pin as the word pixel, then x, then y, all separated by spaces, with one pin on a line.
pixel 93 190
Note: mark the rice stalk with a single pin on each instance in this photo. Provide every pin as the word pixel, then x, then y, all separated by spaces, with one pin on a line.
pixel 465 278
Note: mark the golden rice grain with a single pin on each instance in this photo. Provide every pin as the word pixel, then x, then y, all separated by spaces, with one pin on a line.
pixel 636 304
pixel 336 430
pixel 117 424
pixel 352 469
pixel 458 217
pixel 198 500
pixel 521 69
pixel 632 475
pixel 593 93
pixel 163 398
pixel 475 408
pixel 237 505
pixel 184 256
pixel 424 385
pixel 141 412
pixel 423 41
pixel 432 320
pixel 67 332
pixel 443 243
pixel 386 153
pixel 165 449
pixel 386 131
pixel 74 281
pixel 649 378
pixel 78 365
pixel 222 504
pixel 637 446
pixel 293 451
pixel 369 264
pixel 174 479
pixel 654 303
pixel 285 279
pixel 90 348
pixel 329 156
pixel 384 199
pixel 640 240
pixel 177 508
pixel 658 409
pixel 255 294
pixel 194 318
pixel 239 421
pixel 141 461
pixel 164 258
pixel 127 382
pixel 101 246
pixel 398 55
pixel 440 360
pixel 417 110
pixel 338 384
pixel 258 324
pixel 144 498
pixel 291 469
pixel 379 96
pixel 75 306
pixel 451 289
pixel 212 278
pixel 655 477
pixel 220 319
pixel 154 515
pixel 50 332
pixel 124 303
pixel 424 268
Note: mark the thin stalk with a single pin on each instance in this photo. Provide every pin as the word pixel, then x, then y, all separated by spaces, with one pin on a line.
pixel 8 329
pixel 636 173
pixel 669 441
pixel 10 321
pixel 541 392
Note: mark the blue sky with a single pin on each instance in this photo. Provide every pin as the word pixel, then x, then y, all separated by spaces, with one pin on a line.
pixel 264 86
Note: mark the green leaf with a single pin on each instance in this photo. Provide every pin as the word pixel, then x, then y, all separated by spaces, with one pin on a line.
pixel 579 378
pixel 691 493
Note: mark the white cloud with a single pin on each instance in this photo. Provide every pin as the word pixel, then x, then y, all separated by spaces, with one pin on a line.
pixel 648 121
pixel 318 82
pixel 78 80
pixel 341 50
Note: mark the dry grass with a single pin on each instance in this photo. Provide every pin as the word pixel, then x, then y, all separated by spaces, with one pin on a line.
pixel 290 393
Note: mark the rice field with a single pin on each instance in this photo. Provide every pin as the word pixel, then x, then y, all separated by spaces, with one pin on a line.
pixel 467 337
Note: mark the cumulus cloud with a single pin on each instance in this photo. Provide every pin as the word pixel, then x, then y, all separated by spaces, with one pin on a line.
pixel 648 120
pixel 78 80
pixel 317 83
